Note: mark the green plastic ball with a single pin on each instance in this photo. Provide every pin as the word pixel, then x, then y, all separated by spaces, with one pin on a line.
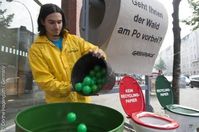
pixel 81 128
pixel 92 82
pixel 86 90
pixel 92 73
pixel 94 88
pixel 87 81
pixel 103 71
pixel 97 68
pixel 99 81
pixel 71 117
pixel 98 74
pixel 78 87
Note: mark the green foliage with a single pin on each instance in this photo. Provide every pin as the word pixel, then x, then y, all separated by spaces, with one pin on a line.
pixel 5 20
pixel 194 19
pixel 160 65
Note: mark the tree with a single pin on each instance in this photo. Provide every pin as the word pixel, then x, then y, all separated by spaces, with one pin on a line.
pixel 177 44
pixel 194 19
pixel 5 20
pixel 161 66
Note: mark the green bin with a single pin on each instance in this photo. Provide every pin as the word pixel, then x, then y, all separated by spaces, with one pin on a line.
pixel 52 118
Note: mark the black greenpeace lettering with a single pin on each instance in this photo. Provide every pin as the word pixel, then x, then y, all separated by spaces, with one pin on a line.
pixel 141 53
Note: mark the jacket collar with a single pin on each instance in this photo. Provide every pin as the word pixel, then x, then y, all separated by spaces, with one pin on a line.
pixel 43 38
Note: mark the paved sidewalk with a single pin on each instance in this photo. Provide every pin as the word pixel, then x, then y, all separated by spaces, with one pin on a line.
pixel 17 103
pixel 110 100
pixel 189 98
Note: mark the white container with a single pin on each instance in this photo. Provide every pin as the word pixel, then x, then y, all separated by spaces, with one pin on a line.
pixel 133 103
pixel 150 122
pixel 188 118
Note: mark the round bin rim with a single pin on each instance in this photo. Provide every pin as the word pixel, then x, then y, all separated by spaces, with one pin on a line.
pixel 43 105
pixel 171 106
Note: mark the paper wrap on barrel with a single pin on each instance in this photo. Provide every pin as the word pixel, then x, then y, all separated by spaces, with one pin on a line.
pixel 130 31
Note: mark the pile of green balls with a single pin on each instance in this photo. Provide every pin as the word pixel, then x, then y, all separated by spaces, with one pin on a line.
pixel 92 82
pixel 71 118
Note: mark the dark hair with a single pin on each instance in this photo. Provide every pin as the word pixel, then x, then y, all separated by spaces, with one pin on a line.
pixel 45 10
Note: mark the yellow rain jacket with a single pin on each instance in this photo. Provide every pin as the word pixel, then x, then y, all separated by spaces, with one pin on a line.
pixel 52 67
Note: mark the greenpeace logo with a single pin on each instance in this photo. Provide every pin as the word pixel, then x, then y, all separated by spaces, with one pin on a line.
pixel 73 51
pixel 141 53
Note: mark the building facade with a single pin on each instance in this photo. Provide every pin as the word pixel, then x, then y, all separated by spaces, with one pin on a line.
pixel 189 55
pixel 14 45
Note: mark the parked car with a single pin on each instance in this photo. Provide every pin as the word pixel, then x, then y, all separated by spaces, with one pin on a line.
pixel 140 78
pixel 187 80
pixel 183 81
pixel 194 81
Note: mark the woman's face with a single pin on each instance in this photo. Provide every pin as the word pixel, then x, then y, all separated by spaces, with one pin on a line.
pixel 53 25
